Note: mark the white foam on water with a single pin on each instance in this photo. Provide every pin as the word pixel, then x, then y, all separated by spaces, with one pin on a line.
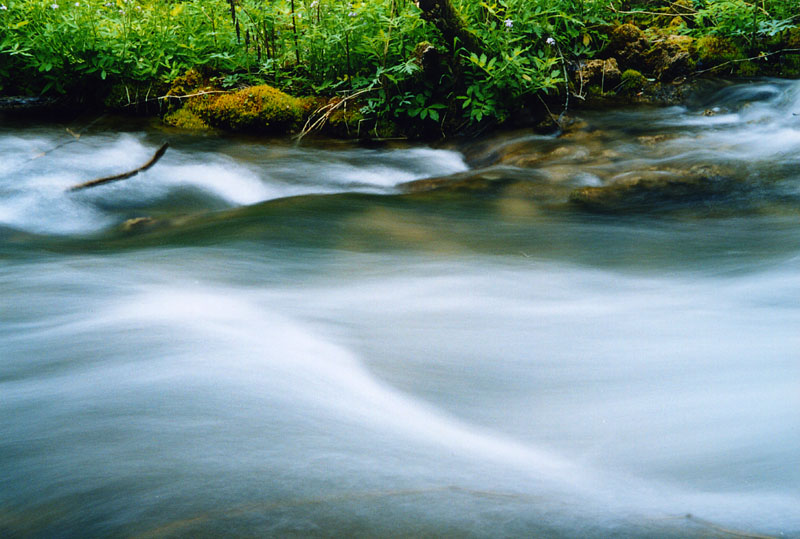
pixel 36 198
pixel 373 170
pixel 239 341
pixel 301 365
pixel 234 184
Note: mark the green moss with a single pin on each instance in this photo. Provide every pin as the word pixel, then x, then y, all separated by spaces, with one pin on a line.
pixel 791 67
pixel 747 69
pixel 792 38
pixel 257 108
pixel 187 83
pixel 632 81
pixel 714 50
pixel 343 120
pixel 185 119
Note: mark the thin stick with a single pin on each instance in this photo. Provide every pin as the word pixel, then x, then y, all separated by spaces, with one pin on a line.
pixel 100 181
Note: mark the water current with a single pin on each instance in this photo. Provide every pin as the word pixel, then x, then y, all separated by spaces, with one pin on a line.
pixel 587 335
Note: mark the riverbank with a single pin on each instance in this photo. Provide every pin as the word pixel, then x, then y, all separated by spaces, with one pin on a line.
pixel 384 69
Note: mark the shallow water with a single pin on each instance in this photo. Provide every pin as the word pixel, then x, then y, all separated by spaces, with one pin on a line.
pixel 293 345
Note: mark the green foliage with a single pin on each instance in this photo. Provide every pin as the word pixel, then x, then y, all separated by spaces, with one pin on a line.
pixel 731 18
pixel 330 47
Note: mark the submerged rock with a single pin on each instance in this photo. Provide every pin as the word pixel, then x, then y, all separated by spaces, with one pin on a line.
pixel 138 223
pixel 660 191
pixel 483 181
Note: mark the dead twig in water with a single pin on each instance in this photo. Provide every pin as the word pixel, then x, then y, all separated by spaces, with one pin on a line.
pixel 100 181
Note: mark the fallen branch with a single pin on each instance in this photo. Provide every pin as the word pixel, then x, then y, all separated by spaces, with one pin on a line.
pixel 100 181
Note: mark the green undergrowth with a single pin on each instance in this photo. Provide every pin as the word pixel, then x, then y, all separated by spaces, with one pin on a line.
pixel 127 54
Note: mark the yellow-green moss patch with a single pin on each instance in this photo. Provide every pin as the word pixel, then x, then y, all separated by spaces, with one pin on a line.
pixel 632 81
pixel 256 108
pixel 714 50
pixel 185 119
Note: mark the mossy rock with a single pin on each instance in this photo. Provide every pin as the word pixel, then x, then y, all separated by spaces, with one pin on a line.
pixel 669 58
pixel 256 108
pixel 627 43
pixel 191 82
pixel 604 73
pixel 632 81
pixel 648 192
pixel 791 67
pixel 187 83
pixel 791 39
pixel 747 69
pixel 345 121
pixel 711 51
pixel 184 118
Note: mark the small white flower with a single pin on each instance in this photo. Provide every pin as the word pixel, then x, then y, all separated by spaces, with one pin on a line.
pixel 314 4
pixel 351 14
pixel 509 23
pixel 54 6
pixel 550 41
pixel 77 4
pixel 3 7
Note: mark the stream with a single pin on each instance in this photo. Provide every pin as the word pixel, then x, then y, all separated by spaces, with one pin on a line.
pixel 588 335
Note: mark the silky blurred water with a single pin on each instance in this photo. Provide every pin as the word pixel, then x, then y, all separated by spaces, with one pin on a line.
pixel 289 345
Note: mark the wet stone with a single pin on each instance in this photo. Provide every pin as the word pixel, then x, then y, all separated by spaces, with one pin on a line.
pixel 660 191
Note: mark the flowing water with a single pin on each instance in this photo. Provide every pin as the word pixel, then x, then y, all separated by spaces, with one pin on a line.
pixel 593 334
